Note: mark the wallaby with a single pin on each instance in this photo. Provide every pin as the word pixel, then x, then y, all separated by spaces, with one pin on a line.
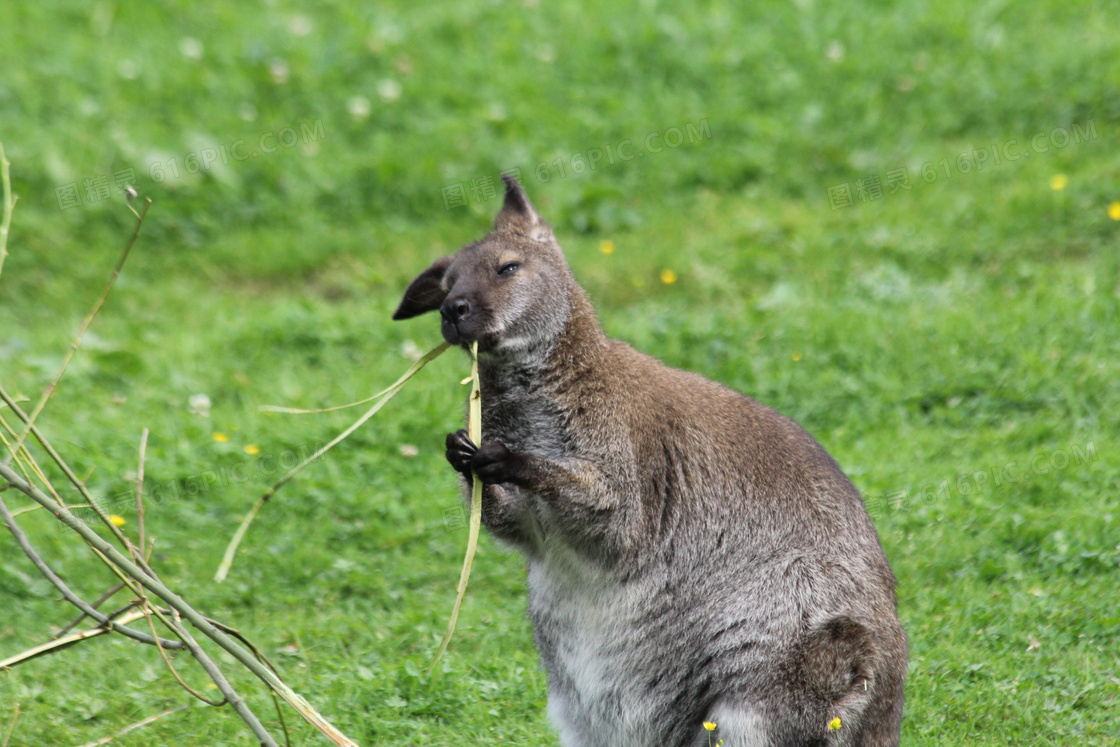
pixel 693 556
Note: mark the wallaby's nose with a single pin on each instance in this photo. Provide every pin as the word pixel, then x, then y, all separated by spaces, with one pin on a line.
pixel 455 310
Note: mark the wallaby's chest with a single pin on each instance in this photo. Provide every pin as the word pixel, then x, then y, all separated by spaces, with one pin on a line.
pixel 526 421
pixel 597 647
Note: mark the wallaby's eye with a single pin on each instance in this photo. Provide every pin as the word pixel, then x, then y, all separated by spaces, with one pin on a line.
pixel 509 268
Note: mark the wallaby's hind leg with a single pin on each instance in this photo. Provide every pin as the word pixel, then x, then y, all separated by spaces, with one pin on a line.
pixel 744 726
pixel 737 725
pixel 844 670
pixel 882 721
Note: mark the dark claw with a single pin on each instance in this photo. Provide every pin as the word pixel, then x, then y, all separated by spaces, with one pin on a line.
pixel 460 451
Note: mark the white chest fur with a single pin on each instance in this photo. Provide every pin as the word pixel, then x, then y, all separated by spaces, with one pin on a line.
pixel 585 623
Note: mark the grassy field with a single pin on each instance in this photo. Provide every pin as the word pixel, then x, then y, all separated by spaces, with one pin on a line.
pixel 898 223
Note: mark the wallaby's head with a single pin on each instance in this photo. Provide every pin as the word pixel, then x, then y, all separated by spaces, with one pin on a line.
pixel 510 291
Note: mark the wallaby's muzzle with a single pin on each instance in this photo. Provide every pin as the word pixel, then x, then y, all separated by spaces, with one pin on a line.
pixel 453 311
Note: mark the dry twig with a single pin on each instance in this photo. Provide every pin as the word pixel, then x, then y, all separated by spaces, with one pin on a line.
pixel 85 325
pixel 140 490
pixel 100 600
pixel 132 569
pixel 70 596
pixel 382 397
pixel 9 204
pixel 66 641
pixel 133 727
pixel 11 726
pixel 178 604
pixel 474 430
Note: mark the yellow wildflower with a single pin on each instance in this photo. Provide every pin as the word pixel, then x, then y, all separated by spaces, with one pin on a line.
pixel 796 355
pixel 220 437
pixel 668 277
pixel 1114 210
pixel 1058 182
pixel 834 724
pixel 252 449
pixel 710 725
pixel 606 246
pixel 118 521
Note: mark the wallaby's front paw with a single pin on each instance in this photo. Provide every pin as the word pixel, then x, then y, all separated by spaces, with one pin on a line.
pixel 460 451
pixel 494 463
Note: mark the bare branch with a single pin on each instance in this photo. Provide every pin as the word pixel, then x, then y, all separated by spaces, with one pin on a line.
pixel 78 484
pixel 9 204
pixel 145 610
pixel 26 461
pixel 140 489
pixel 232 697
pixel 11 727
pixel 85 325
pixel 384 396
pixel 53 577
pixel 200 655
pixel 137 725
pixel 100 600
pixel 57 644
pixel 305 709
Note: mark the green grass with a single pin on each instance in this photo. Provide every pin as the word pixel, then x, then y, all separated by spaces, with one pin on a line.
pixel 951 329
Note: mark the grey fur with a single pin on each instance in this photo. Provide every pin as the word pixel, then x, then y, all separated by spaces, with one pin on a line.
pixel 693 555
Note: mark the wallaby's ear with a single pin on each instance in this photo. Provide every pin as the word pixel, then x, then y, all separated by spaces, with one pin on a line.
pixel 517 213
pixel 425 293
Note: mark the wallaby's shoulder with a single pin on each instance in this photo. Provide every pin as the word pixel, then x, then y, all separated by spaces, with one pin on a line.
pixel 671 402
pixel 702 430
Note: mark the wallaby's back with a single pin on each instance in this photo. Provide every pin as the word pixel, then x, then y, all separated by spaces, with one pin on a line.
pixel 748 570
